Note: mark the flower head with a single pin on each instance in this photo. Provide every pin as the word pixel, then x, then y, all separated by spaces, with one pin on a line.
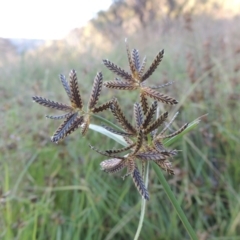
pixel 74 116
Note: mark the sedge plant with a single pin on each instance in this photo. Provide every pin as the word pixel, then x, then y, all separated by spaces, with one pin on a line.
pixel 144 141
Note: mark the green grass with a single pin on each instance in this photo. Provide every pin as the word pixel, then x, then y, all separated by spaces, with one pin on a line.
pixel 59 191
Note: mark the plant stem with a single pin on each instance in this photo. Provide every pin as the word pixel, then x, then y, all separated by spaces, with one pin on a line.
pixel 143 205
pixel 106 121
pixel 174 202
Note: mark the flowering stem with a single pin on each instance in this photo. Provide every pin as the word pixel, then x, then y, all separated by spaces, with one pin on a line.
pixel 174 202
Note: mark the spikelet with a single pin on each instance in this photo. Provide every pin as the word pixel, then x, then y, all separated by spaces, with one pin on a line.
pixel 138 143
pixel 138 181
pixel 177 132
pixel 120 85
pixel 96 90
pixel 114 151
pixel 120 117
pixel 149 114
pixel 158 122
pixel 153 66
pixel 66 86
pixel 142 67
pixel 51 104
pixel 113 165
pixel 131 165
pixel 130 62
pixel 138 115
pixel 62 130
pixel 76 98
pixel 105 153
pixel 120 72
pixel 102 107
pixel 144 103
pixel 165 165
pixel 159 96
pixel 66 115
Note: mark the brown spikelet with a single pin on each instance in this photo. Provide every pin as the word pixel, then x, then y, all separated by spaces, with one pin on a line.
pixel 136 62
pixel 138 143
pixel 102 107
pixel 66 115
pixel 120 117
pixel 153 66
pixel 149 115
pixel 62 130
pixel 85 125
pixel 138 181
pixel 142 67
pixel 136 59
pixel 75 125
pixel 66 86
pixel 165 165
pixel 128 140
pixel 144 103
pixel 138 115
pixel 105 153
pixel 120 85
pixel 120 72
pixel 158 122
pixel 131 165
pixel 113 165
pixel 96 90
pixel 169 153
pixel 76 98
pixel 51 104
pixel 150 156
pixel 114 151
pixel 158 145
pixel 177 132
pixel 131 64
pixel 159 96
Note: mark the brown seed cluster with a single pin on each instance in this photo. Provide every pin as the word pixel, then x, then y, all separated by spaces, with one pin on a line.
pixel 143 138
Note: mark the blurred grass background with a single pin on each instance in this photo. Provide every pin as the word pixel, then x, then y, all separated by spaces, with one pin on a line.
pixel 50 191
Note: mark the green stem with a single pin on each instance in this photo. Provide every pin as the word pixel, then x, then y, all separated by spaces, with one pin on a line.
pixel 174 202
pixel 106 121
pixel 143 204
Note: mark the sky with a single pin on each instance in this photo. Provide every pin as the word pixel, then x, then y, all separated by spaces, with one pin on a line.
pixel 46 19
